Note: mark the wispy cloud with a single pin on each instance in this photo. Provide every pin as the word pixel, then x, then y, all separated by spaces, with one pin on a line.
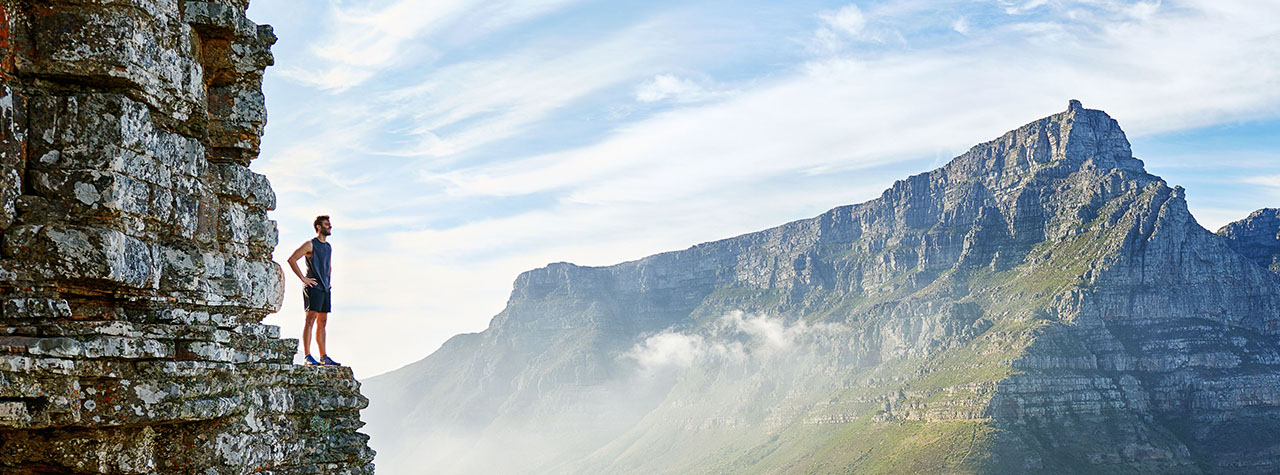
pixel 1018 8
pixel 848 20
pixel 839 27
pixel 455 162
pixel 466 105
pixel 1143 10
pixel 735 337
pixel 683 90
pixel 363 41
pixel 1269 181
pixel 849 114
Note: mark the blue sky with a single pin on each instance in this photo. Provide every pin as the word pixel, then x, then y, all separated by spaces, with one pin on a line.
pixel 457 143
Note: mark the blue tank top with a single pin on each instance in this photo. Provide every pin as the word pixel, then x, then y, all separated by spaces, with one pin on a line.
pixel 318 262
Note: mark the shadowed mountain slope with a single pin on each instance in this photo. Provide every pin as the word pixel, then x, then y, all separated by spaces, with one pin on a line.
pixel 1257 237
pixel 1040 303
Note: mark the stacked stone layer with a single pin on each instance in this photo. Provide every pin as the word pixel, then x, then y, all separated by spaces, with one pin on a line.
pixel 135 252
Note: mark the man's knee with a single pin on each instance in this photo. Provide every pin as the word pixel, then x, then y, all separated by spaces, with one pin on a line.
pixel 322 317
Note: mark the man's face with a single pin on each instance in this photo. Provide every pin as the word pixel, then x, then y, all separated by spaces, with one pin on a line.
pixel 324 228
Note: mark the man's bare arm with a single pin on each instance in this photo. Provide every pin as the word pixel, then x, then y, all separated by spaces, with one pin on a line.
pixel 303 250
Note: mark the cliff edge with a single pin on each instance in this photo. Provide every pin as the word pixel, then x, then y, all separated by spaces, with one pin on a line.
pixel 136 252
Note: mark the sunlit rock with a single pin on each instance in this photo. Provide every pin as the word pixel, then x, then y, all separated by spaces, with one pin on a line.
pixel 136 252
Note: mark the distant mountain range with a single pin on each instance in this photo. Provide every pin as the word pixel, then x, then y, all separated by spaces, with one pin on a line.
pixel 1039 304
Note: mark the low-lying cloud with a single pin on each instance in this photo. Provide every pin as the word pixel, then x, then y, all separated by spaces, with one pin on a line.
pixel 734 337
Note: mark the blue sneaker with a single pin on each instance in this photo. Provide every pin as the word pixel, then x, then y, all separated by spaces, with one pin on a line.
pixel 309 361
pixel 325 361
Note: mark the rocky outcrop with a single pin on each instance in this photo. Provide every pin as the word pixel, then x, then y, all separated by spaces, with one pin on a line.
pixel 1039 304
pixel 136 252
pixel 1257 237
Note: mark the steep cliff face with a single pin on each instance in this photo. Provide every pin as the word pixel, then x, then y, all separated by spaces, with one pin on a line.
pixel 1039 303
pixel 136 252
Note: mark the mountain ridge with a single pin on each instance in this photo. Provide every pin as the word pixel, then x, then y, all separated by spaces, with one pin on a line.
pixel 956 289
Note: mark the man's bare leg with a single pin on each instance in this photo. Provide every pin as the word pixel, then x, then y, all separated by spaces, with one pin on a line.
pixel 306 334
pixel 322 318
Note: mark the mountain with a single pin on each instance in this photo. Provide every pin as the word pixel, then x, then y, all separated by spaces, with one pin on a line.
pixel 1040 303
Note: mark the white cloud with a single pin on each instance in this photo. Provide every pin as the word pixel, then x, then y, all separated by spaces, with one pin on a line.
pixel 796 142
pixel 767 334
pixel 334 78
pixel 624 196
pixel 669 349
pixel 1014 8
pixel 849 114
pixel 672 88
pixel 960 25
pixel 1269 181
pixel 848 20
pixel 838 28
pixel 363 41
pixel 793 126
pixel 734 337
pixel 466 105
pixel 1143 11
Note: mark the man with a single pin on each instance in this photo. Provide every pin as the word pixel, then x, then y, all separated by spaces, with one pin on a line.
pixel 315 296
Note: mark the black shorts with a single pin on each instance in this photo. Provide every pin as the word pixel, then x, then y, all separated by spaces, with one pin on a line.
pixel 316 299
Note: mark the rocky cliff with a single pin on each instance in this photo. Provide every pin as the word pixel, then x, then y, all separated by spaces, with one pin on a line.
pixel 1257 237
pixel 136 252
pixel 1039 304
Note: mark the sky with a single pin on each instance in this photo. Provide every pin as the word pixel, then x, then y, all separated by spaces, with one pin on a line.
pixel 458 143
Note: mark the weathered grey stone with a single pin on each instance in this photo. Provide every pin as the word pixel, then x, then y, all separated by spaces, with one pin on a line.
pixel 234 53
pixel 110 132
pixel 72 253
pixel 135 252
pixel 13 136
pixel 220 16
pixel 147 50
pixel 237 182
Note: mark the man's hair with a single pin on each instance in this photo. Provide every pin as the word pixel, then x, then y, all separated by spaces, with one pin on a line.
pixel 320 219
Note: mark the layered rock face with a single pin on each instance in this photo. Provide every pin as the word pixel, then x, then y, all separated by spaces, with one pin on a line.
pixel 1040 303
pixel 136 252
pixel 1257 237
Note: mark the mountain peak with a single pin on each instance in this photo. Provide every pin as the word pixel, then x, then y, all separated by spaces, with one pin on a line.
pixel 1092 135
pixel 1075 138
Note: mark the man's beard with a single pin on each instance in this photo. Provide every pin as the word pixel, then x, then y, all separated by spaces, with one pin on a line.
pixel 325 232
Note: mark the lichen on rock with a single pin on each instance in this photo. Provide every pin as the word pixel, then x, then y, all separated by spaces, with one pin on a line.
pixel 136 252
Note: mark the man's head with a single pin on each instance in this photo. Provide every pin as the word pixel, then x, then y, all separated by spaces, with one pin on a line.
pixel 322 225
